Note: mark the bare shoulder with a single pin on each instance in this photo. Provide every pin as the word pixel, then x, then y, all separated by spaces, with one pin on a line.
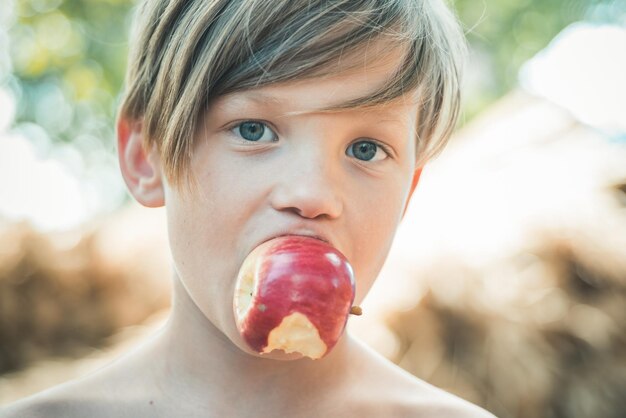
pixel 58 402
pixel 387 390
pixel 417 399
pixel 29 408
pixel 83 398
pixel 435 403
pixel 111 391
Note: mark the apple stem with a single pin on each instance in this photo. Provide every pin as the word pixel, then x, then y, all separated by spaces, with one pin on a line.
pixel 356 310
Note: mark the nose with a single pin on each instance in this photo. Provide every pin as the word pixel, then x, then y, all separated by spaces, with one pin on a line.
pixel 309 186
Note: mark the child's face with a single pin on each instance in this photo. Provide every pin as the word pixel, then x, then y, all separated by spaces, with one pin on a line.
pixel 267 163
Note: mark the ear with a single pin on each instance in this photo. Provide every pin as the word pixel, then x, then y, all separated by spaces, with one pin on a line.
pixel 416 179
pixel 141 169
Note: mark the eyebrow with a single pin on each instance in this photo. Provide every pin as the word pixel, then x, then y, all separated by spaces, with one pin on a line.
pixel 269 100
pixel 263 99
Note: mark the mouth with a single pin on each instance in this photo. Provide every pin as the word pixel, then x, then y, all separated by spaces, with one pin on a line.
pixel 314 236
pixel 305 234
pixel 293 294
pixel 297 233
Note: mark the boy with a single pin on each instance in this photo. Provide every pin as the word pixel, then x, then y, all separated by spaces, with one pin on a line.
pixel 253 119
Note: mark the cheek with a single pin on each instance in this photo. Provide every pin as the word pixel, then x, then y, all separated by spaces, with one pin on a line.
pixel 204 227
pixel 187 231
pixel 199 258
pixel 373 228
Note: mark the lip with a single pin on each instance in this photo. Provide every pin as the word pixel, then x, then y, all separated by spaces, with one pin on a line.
pixel 318 235
pixel 302 234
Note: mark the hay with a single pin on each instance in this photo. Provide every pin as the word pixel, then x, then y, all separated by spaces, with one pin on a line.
pixel 62 294
pixel 507 284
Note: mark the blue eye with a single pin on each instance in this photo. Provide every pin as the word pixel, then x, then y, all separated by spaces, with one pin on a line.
pixel 366 151
pixel 254 131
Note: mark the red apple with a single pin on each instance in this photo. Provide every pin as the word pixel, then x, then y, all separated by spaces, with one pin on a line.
pixel 294 294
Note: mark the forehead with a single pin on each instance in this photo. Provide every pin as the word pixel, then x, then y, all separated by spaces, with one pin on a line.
pixel 359 74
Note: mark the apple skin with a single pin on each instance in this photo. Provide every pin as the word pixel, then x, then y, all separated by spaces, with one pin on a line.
pixel 294 274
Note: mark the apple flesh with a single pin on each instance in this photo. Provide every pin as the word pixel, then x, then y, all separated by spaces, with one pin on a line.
pixel 293 294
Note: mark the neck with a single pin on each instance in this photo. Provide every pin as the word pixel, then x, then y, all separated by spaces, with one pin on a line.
pixel 201 359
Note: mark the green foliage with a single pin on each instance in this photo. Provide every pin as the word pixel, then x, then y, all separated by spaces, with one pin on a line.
pixel 68 56
pixel 68 64
pixel 504 34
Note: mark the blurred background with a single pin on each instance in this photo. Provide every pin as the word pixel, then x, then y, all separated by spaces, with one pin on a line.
pixel 506 284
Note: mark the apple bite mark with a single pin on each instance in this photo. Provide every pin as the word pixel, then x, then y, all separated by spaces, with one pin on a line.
pixel 293 294
pixel 245 288
pixel 296 334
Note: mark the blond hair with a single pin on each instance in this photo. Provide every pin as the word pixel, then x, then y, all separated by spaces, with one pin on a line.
pixel 185 53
